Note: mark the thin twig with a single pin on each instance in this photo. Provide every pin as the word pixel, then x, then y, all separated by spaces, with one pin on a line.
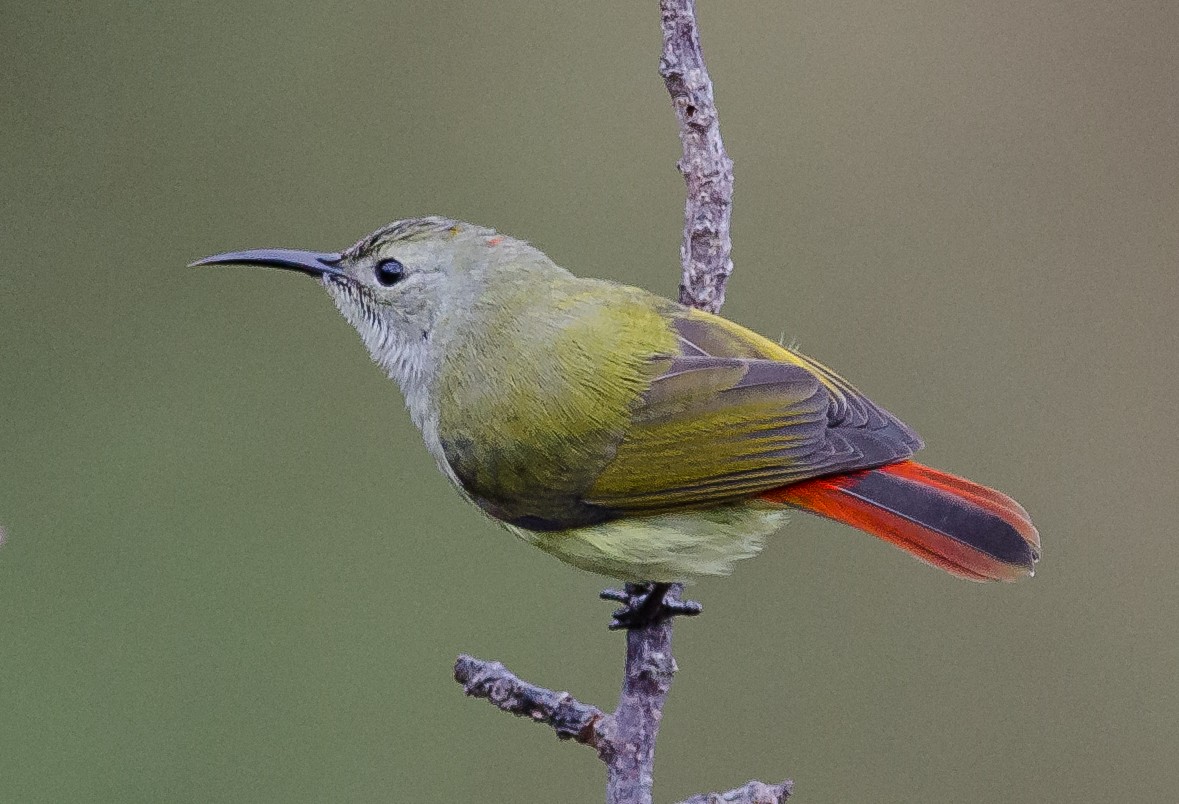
pixel 646 681
pixel 570 718
pixel 707 170
pixel 752 793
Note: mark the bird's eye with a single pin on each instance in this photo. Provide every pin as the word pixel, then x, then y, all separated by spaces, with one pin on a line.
pixel 388 272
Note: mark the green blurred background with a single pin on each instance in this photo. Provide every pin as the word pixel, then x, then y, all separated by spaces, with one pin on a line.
pixel 232 572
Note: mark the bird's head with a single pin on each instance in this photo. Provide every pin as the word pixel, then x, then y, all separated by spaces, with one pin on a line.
pixel 407 283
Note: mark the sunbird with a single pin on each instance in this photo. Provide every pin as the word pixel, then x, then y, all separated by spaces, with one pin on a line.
pixel 630 435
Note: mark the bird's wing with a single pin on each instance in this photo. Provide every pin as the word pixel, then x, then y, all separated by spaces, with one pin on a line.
pixel 733 414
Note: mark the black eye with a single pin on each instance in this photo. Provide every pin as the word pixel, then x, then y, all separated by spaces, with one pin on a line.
pixel 388 272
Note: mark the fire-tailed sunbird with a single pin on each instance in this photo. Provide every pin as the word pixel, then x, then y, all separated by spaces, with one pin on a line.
pixel 629 435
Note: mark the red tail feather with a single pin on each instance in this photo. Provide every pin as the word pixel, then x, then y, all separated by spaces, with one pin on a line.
pixel 964 528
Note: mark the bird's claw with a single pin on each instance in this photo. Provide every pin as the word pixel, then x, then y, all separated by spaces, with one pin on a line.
pixel 646 604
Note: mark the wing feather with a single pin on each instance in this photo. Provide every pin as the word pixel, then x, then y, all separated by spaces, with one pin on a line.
pixel 733 414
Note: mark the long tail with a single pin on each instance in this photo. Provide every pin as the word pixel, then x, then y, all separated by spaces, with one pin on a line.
pixel 964 528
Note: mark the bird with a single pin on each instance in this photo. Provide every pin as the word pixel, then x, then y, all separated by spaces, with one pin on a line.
pixel 629 435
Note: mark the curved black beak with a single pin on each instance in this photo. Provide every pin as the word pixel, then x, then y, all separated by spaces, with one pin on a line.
pixel 316 263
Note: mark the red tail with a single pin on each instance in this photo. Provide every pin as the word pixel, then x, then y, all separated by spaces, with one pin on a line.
pixel 964 528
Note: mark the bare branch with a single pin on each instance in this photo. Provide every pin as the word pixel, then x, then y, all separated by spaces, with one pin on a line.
pixel 705 253
pixel 646 681
pixel 752 793
pixel 571 719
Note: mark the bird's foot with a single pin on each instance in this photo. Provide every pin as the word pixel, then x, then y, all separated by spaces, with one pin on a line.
pixel 646 604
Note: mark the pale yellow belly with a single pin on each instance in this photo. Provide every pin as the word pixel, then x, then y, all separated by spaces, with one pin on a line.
pixel 678 546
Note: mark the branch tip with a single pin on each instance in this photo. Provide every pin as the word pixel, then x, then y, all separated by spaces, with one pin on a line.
pixel 568 717
pixel 751 793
